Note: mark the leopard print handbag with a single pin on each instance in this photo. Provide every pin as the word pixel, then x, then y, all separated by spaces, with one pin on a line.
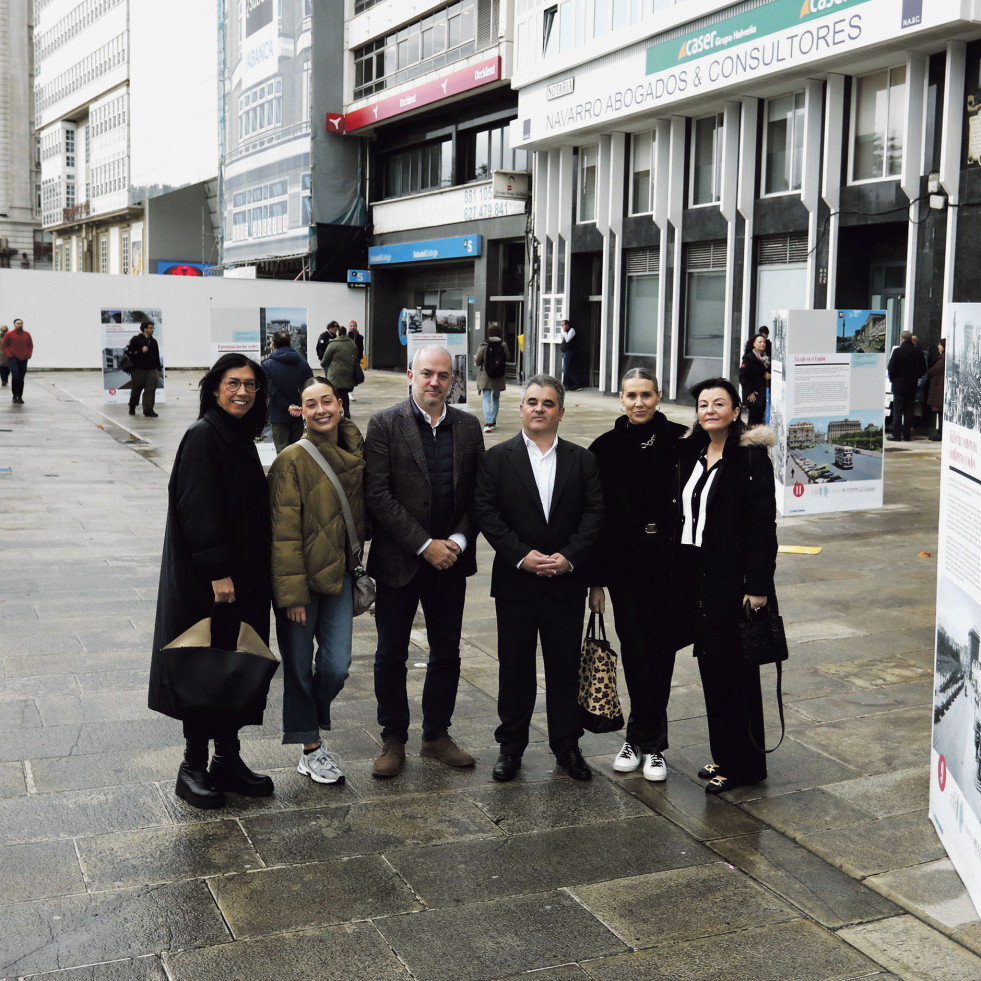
pixel 599 703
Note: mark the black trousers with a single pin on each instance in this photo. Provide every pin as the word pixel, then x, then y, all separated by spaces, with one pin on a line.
pixel 442 596
pixel 733 700
pixel 648 664
pixel 520 624
pixel 734 706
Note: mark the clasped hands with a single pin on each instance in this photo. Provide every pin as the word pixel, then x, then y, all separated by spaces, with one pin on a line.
pixel 548 566
pixel 441 553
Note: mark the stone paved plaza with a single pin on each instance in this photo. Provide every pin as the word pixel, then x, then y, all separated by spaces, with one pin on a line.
pixel 830 870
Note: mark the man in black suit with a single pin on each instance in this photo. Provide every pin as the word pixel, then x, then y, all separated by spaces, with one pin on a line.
pixel 420 467
pixel 906 366
pixel 540 505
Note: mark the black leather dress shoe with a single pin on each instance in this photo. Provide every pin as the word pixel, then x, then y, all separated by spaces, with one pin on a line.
pixel 151 414
pixel 195 786
pixel 231 773
pixel 506 767
pixel 573 763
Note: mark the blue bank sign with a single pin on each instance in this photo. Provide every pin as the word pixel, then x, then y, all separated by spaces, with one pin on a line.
pixel 461 247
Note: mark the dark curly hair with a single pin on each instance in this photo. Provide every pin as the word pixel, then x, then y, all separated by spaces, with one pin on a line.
pixel 255 419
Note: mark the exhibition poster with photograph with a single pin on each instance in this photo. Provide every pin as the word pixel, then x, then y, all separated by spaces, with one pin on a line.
pixel 827 409
pixel 235 330
pixel 955 778
pixel 119 327
pixel 448 328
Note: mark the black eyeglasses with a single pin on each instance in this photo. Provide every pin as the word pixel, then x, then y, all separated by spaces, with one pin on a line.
pixel 234 384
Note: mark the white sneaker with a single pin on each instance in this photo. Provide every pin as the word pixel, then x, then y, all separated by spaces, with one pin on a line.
pixel 627 759
pixel 655 769
pixel 321 766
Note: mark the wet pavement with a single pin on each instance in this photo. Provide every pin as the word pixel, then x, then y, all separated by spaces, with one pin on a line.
pixel 829 870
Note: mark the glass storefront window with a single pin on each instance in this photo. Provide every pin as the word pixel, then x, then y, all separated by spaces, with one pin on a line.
pixel 640 336
pixel 705 314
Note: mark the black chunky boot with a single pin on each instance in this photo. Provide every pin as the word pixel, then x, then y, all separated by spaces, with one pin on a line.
pixel 193 782
pixel 230 772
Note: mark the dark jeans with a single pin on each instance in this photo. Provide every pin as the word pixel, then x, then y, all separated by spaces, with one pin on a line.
pixel 18 368
pixel 519 627
pixel 143 381
pixel 648 664
pixel 442 595
pixel 344 394
pixel 902 415
pixel 570 377
pixel 286 433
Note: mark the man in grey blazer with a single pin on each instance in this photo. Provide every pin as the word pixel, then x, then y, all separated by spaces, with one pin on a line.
pixel 539 503
pixel 420 468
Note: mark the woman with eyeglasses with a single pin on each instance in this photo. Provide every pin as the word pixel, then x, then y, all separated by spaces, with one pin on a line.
pixel 216 563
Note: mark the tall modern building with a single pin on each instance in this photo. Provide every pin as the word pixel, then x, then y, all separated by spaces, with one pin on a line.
pixel 700 165
pixel 22 243
pixel 425 94
pixel 126 101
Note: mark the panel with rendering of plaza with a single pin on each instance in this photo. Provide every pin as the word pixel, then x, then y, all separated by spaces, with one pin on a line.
pixel 829 449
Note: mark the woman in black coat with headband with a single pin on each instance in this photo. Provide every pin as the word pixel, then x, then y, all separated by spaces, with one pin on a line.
pixel 636 461
pixel 216 563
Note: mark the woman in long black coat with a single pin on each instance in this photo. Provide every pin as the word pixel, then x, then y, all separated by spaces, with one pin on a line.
pixel 636 461
pixel 216 563
pixel 725 555
pixel 754 378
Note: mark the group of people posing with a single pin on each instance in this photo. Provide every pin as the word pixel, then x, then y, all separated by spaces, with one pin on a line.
pixel 679 527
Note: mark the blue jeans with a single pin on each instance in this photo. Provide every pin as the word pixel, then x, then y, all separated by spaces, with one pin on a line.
pixel 313 680
pixel 442 595
pixel 492 399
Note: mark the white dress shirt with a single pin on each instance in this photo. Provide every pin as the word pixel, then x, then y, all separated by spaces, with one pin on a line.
pixel 543 467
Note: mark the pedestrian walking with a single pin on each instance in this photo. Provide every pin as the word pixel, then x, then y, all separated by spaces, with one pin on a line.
pixel 492 359
pixel 18 346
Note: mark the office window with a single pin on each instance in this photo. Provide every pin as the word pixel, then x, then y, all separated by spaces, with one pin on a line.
pixel 488 150
pixel 419 168
pixel 706 310
pixel 103 254
pixel 588 165
pixel 705 265
pixel 784 146
pixel 706 159
pixel 640 334
pixel 642 173
pixel 446 36
pixel 124 254
pixel 878 110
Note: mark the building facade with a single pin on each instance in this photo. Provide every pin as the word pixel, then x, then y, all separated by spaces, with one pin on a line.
pixel 699 165
pixel 117 124
pixel 22 243
pixel 427 94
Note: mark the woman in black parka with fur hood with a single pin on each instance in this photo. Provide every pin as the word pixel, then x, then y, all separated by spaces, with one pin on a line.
pixel 216 563
pixel 725 554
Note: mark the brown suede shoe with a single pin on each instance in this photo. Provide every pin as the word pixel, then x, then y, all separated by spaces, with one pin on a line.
pixel 446 751
pixel 391 761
